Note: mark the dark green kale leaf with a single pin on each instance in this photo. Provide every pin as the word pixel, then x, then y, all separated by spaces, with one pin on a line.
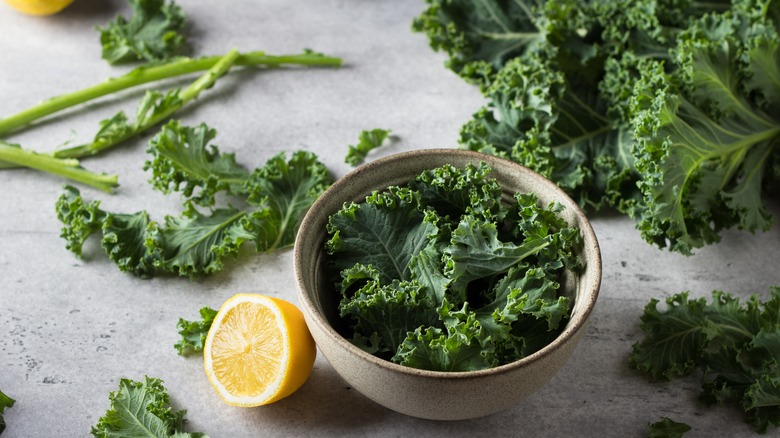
pixel 141 409
pixel 479 37
pixel 476 252
pixel 152 34
pixel 736 346
pixel 665 111
pixel 667 428
pixel 367 141
pixel 193 333
pixel 385 232
pixel 368 311
pixel 5 402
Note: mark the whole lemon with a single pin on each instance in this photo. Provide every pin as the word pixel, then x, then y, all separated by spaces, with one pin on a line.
pixel 39 7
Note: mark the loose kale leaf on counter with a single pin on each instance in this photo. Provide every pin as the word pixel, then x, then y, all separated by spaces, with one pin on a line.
pixel 5 402
pixel 440 274
pixel 735 345
pixel 141 409
pixel 193 333
pixel 152 33
pixel 196 242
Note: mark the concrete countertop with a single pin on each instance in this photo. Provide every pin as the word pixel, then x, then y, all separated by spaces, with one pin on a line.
pixel 71 328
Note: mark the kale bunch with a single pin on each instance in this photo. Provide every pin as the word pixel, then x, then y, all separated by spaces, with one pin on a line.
pixel 664 110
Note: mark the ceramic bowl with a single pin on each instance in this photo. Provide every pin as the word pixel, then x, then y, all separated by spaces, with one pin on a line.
pixel 436 394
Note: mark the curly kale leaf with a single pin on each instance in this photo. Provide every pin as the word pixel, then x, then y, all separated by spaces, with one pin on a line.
pixel 476 252
pixel 452 192
pixel 558 126
pixel 369 307
pixel 5 402
pixel 196 243
pixel 183 160
pixel 367 141
pixel 193 333
pixel 736 346
pixel 461 346
pixel 704 142
pixel 141 409
pixel 80 219
pixel 481 37
pixel 153 33
pixel 385 232
pixel 282 192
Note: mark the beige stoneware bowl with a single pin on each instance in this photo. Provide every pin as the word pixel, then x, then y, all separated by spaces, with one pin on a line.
pixel 436 394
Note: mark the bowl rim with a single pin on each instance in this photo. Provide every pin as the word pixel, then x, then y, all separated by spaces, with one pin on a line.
pixel 573 325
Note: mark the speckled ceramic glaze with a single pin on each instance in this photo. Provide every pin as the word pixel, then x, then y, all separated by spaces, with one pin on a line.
pixel 434 394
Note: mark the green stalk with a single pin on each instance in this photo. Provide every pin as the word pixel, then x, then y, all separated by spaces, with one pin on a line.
pixel 68 168
pixel 203 82
pixel 146 74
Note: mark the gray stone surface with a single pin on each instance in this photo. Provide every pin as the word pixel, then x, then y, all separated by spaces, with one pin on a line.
pixel 70 328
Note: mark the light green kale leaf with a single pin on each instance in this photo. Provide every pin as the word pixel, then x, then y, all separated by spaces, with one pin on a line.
pixel 367 141
pixel 282 192
pixel 125 241
pixel 153 33
pixel 193 333
pixel 80 219
pixel 141 409
pixel 123 236
pixel 5 402
pixel 183 160
pixel 195 244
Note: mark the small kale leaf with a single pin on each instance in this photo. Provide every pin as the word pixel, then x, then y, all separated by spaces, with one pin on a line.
pixel 5 402
pixel 367 141
pixel 667 428
pixel 152 34
pixel 141 409
pixel 193 333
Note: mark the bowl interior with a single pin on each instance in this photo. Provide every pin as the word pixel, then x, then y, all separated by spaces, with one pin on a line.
pixel 319 297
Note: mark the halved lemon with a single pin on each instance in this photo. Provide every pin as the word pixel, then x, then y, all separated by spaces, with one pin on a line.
pixel 258 350
pixel 39 7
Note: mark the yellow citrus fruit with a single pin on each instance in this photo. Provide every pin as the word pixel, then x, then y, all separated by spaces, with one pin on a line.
pixel 39 7
pixel 258 350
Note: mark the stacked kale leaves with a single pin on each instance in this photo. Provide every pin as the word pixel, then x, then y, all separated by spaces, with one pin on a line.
pixel 440 274
pixel 667 111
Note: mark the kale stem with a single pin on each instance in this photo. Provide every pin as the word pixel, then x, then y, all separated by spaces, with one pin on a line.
pixel 68 168
pixel 203 82
pixel 146 74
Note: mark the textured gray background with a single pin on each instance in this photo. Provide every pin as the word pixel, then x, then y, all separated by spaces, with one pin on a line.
pixel 70 328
